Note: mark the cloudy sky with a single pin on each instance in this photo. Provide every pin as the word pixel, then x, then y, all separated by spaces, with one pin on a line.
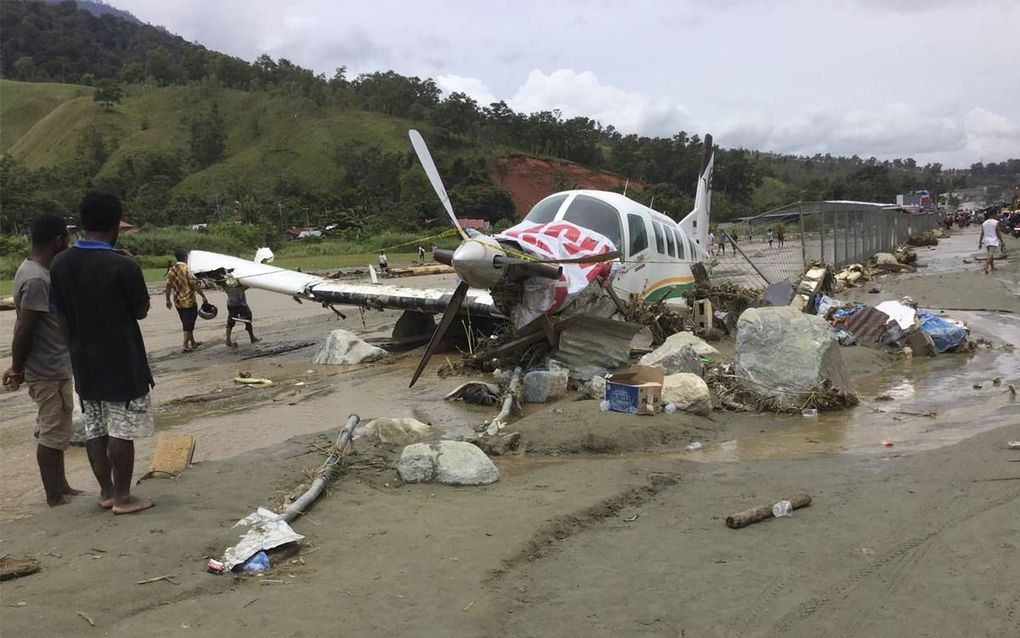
pixel 937 80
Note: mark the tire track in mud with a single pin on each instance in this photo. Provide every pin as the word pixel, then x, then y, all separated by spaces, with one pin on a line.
pixel 544 542
pixel 892 568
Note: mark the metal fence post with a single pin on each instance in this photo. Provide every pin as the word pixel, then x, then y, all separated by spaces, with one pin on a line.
pixel 803 240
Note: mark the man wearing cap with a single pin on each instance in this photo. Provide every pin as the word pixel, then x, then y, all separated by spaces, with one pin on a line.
pixel 181 283
pixel 39 357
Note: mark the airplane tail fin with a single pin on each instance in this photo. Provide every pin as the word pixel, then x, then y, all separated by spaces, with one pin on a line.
pixel 695 225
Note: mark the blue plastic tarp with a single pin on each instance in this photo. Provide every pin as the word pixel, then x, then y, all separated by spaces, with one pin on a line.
pixel 946 334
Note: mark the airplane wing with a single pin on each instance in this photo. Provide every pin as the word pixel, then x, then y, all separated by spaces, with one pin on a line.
pixel 207 265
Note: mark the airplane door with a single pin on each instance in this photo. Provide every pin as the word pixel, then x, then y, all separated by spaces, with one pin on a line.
pixel 632 275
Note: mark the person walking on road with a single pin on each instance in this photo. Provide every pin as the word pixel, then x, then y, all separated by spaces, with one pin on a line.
pixel 781 236
pixel 769 237
pixel 100 295
pixel 991 239
pixel 383 262
pixel 238 310
pixel 39 357
pixel 183 286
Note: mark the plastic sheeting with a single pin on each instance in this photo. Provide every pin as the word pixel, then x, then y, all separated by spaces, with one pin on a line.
pixel 945 333
pixel 266 531
pixel 901 313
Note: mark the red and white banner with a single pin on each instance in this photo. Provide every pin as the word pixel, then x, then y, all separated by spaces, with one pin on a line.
pixel 557 241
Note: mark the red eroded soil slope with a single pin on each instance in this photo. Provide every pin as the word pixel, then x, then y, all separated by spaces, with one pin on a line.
pixel 529 179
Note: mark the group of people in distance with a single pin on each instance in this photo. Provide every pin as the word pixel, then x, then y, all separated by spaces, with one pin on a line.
pixel 771 236
pixel 78 306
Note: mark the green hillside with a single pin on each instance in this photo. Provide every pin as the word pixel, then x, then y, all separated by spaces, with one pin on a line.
pixel 23 104
pixel 267 135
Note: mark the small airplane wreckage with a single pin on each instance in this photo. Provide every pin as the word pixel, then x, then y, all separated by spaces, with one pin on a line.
pixel 565 280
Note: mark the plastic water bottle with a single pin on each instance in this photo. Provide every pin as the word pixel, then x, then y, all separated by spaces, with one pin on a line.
pixel 810 412
pixel 669 408
pixel 604 406
pixel 782 508
pixel 694 446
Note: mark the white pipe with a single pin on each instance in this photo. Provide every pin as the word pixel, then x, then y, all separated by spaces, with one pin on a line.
pixel 325 474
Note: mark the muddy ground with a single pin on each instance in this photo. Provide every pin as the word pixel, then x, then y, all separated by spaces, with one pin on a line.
pixel 606 526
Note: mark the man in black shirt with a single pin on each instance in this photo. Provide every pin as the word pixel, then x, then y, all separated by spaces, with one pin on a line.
pixel 100 294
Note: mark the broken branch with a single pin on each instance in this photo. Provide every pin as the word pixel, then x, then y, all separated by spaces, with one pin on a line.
pixel 761 513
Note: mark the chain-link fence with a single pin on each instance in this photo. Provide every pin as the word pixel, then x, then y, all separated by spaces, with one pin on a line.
pixel 777 245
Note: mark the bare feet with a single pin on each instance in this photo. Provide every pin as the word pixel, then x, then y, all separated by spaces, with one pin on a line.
pixel 132 504
pixel 70 491
pixel 106 502
pixel 255 339
pixel 60 500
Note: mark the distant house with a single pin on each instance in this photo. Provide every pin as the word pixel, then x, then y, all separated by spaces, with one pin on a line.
pixel 477 224
pixel 914 198
pixel 303 233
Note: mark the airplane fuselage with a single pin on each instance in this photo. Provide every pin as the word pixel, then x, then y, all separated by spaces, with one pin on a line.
pixel 657 253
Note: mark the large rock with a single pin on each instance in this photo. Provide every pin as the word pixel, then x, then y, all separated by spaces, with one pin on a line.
pixel 398 431
pixel 688 392
pixel 343 346
pixel 701 347
pixel 449 462
pixel 784 353
pixel 541 386
pixel 885 259
pixel 673 358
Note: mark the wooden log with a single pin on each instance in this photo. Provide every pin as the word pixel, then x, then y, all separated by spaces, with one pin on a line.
pixel 757 514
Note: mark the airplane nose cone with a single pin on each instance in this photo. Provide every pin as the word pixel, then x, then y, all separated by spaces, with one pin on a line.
pixel 473 263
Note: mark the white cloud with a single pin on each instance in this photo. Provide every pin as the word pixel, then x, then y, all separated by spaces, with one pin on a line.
pixel 991 135
pixel 948 135
pixel 472 87
pixel 581 94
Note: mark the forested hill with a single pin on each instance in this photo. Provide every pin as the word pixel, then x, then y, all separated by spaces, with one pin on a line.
pixel 183 133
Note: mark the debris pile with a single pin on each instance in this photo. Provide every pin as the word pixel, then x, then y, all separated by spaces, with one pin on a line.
pixel 927 238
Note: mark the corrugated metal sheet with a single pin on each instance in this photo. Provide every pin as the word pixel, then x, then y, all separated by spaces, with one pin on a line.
pixel 868 325
pixel 592 341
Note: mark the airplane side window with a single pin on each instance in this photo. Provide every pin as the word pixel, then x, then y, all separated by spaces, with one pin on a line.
pixel 545 211
pixel 670 243
pixel 681 247
pixel 660 242
pixel 638 234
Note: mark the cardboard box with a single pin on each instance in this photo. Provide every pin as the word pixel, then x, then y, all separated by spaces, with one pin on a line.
pixel 637 390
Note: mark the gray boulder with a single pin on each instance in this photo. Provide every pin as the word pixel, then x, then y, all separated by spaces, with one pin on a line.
pixel 448 462
pixel 674 358
pixel 594 389
pixel 701 347
pixel 541 386
pixel 688 392
pixel 784 353
pixel 885 259
pixel 344 347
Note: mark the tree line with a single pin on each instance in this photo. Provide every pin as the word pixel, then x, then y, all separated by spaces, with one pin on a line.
pixel 60 42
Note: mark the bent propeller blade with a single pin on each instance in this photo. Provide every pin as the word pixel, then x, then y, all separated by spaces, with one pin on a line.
pixel 422 151
pixel 444 324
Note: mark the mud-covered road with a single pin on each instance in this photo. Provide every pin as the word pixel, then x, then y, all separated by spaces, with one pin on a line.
pixel 606 527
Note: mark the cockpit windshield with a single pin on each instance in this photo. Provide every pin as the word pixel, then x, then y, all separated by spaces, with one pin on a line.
pixel 545 211
pixel 595 214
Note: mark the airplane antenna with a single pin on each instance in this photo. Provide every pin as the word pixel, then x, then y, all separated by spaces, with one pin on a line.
pixel 652 203
pixel 625 187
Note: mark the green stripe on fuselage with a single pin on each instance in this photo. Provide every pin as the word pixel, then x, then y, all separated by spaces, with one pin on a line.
pixel 671 291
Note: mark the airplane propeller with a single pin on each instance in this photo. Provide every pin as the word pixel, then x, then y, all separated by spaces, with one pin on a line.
pixel 479 261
